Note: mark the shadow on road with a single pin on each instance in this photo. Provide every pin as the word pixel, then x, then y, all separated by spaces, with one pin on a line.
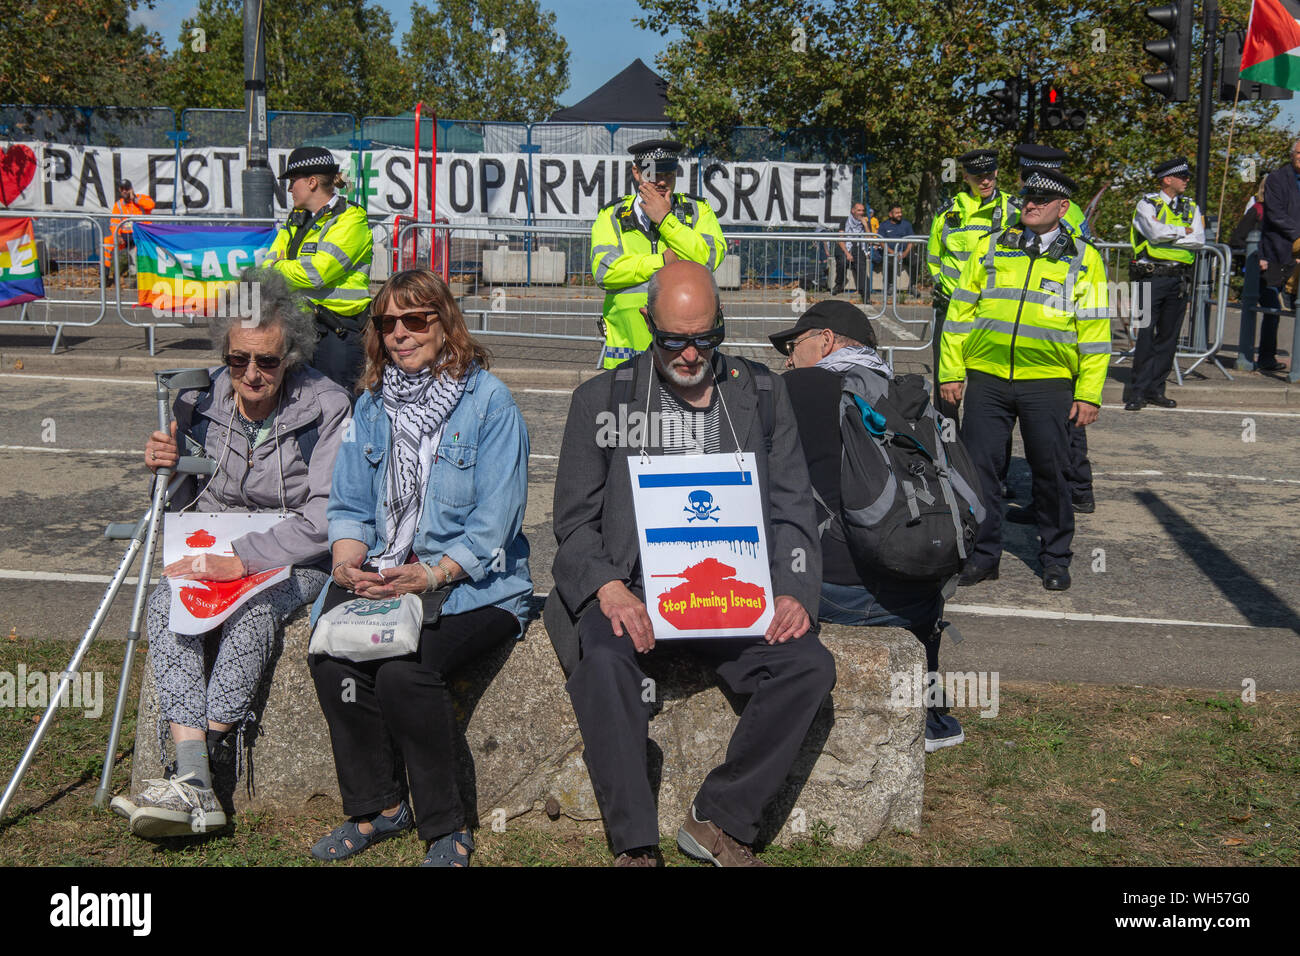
pixel 1255 600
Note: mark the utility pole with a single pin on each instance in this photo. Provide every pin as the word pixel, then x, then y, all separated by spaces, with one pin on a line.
pixel 257 181
pixel 1211 11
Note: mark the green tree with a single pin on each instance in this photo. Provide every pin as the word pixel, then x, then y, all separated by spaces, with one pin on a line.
pixel 908 80
pixel 327 56
pixel 77 53
pixel 487 59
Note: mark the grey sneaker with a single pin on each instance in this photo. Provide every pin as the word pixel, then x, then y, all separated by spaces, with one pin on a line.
pixel 175 807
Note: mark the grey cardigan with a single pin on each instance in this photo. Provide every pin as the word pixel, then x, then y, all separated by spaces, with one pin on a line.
pixel 251 480
pixel 595 527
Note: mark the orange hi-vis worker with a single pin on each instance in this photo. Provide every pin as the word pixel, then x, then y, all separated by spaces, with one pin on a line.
pixel 129 203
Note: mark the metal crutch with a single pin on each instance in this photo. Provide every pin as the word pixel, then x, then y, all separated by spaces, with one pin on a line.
pixel 143 534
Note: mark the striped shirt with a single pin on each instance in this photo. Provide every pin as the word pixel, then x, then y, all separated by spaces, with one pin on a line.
pixel 687 430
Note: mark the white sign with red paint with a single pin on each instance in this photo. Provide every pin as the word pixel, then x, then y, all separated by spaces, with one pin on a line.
pixel 199 606
pixel 699 521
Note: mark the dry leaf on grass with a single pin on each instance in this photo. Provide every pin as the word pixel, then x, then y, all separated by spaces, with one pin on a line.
pixel 1241 819
pixel 1135 760
pixel 1233 841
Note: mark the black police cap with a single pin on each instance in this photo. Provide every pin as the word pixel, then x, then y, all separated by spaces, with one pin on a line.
pixel 1043 157
pixel 1178 166
pixel 1048 182
pixel 979 161
pixel 656 155
pixel 310 161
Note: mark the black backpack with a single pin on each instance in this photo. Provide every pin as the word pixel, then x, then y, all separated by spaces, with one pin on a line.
pixel 909 507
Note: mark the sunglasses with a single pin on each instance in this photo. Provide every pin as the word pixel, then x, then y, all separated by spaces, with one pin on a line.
pixel 676 342
pixel 1040 199
pixel 267 363
pixel 414 321
pixel 790 346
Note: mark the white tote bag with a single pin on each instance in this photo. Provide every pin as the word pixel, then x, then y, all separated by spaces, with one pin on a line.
pixel 362 629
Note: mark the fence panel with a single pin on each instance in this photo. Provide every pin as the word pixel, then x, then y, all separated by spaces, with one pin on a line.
pixel 285 130
pixel 69 248
pixel 145 127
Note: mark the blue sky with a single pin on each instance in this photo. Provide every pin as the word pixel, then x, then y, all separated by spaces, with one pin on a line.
pixel 601 37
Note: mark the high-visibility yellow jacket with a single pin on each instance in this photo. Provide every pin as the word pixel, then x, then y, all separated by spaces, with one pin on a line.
pixel 331 264
pixel 958 227
pixel 624 257
pixel 1020 318
pixel 1178 216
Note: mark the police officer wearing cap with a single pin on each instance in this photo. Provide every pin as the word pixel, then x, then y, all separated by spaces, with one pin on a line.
pixel 1166 232
pixel 1028 338
pixel 635 236
pixel 975 212
pixel 324 250
pixel 1032 156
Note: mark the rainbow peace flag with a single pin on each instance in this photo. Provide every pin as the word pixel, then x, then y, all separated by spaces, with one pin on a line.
pixel 20 272
pixel 193 270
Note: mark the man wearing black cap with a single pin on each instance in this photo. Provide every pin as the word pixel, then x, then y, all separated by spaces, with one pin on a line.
pixel 979 209
pixel 324 250
pixel 1166 232
pixel 1028 338
pixel 829 339
pixel 635 236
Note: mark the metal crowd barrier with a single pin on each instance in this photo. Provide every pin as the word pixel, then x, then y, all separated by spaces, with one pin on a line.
pixel 536 282
pixel 70 249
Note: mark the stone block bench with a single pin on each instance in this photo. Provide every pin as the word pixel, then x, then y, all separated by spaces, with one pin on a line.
pixel 861 769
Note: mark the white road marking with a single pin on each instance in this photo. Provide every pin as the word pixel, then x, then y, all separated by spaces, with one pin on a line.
pixel 903 333
pixel 544 391
pixel 10 575
pixel 78 378
pixel 137 452
pixel 1220 411
pixel 984 610
pixel 1207 474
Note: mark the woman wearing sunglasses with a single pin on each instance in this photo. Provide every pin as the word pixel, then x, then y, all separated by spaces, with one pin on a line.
pixel 273 425
pixel 428 497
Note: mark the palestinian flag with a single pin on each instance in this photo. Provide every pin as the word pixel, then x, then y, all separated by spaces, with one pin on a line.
pixel 1271 52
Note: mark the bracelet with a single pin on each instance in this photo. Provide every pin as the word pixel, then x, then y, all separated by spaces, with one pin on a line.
pixel 445 573
pixel 335 570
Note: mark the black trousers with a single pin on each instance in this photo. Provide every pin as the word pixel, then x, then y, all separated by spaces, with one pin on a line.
pixel 861 270
pixel 787 683
pixel 993 405
pixel 397 712
pixel 1079 474
pixel 340 357
pixel 1153 356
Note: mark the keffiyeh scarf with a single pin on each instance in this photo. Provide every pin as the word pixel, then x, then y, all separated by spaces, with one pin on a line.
pixel 417 407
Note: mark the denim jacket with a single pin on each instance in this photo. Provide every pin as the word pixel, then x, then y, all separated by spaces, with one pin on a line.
pixel 473 506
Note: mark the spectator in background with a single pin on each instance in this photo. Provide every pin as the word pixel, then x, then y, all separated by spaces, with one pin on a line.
pixel 1272 271
pixel 894 227
pixel 854 254
pixel 120 238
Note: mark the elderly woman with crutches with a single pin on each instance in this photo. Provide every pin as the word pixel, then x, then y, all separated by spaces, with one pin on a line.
pixel 273 426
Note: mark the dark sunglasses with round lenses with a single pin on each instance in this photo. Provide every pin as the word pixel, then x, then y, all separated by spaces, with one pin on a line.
pixel 676 342
pixel 237 361
pixel 414 321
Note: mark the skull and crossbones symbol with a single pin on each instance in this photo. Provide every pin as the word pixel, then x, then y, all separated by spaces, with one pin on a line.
pixel 701 507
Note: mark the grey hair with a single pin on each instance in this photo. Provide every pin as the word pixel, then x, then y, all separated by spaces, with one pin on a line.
pixel 263 298
pixel 652 293
pixel 843 341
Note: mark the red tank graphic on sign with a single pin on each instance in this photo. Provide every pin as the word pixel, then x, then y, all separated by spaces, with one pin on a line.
pixel 210 598
pixel 200 539
pixel 710 598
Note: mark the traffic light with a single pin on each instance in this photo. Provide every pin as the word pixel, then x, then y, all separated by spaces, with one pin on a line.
pixel 1055 114
pixel 1005 111
pixel 1174 50
pixel 1230 67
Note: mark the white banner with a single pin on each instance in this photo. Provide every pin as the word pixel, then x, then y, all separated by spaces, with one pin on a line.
pixel 699 521
pixel 199 606
pixel 48 177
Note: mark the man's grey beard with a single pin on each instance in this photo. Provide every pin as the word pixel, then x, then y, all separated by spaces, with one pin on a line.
pixel 681 379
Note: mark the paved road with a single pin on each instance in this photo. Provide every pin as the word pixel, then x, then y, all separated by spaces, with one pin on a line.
pixel 1185 576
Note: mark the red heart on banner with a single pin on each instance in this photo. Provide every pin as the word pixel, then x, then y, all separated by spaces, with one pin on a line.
pixel 17 169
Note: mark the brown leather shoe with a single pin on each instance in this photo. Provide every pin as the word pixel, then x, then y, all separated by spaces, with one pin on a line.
pixel 636 858
pixel 705 840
